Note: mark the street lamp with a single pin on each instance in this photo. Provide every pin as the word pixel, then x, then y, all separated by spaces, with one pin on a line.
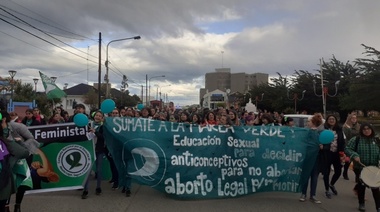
pixel 12 73
pixel 35 80
pixel 325 93
pixel 161 93
pixel 325 90
pixel 259 100
pixel 228 91
pixel 106 78
pixel 148 81
pixel 295 98
pixel 53 79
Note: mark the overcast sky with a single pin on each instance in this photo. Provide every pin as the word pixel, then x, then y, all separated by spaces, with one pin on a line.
pixel 181 39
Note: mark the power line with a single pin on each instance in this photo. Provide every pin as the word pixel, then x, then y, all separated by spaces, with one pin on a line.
pixel 67 75
pixel 45 32
pixel 44 22
pixel 112 63
pixel 46 40
pixel 24 41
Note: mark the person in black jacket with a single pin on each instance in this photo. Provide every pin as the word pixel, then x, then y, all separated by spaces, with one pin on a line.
pixel 100 151
pixel 331 155
pixel 30 119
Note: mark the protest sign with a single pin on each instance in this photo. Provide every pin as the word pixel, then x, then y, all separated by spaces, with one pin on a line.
pixel 64 159
pixel 192 161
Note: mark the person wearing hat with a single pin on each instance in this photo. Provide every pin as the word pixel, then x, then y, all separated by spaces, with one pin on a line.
pixel 79 108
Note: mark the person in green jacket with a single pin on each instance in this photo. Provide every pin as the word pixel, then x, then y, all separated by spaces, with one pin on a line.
pixel 364 151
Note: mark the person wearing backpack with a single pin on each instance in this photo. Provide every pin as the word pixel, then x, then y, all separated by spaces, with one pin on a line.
pixel 10 153
pixel 364 150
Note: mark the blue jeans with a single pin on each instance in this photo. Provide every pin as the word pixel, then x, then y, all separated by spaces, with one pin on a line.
pixel 313 180
pixel 114 172
pixel 99 164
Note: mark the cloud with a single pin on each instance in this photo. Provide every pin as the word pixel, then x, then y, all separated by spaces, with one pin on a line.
pixel 182 40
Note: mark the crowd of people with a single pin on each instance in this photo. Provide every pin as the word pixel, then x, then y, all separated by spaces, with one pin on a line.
pixel 353 143
pixel 220 116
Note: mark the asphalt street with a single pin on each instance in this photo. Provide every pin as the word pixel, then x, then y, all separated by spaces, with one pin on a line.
pixel 147 199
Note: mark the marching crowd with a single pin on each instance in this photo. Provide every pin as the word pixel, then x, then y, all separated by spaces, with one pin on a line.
pixel 353 143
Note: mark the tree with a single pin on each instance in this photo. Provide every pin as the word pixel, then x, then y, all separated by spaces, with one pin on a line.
pixel 91 98
pixel 369 69
pixel 25 93
pixel 363 85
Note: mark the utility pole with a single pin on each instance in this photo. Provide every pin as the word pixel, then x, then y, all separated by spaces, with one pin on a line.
pixel 100 68
pixel 146 90
pixel 142 93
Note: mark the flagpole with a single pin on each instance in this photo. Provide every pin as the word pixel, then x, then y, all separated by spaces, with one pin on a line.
pixel 53 106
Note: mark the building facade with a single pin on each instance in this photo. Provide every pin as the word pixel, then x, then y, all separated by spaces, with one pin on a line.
pixel 222 79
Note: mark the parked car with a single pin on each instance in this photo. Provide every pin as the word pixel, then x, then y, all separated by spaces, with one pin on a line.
pixel 300 120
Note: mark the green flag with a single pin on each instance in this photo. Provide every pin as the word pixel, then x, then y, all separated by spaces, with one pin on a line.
pixel 51 89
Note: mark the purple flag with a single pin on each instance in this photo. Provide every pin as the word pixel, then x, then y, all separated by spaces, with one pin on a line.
pixel 3 150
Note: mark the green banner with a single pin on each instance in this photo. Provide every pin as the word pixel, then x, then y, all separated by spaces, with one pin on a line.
pixel 64 159
pixel 191 161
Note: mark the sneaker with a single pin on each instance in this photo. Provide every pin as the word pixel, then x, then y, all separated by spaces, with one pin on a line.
pixel 303 198
pixel 328 194
pixel 315 200
pixel 123 190
pixel 98 191
pixel 361 207
pixel 84 194
pixel 115 186
pixel 127 193
pixel 333 189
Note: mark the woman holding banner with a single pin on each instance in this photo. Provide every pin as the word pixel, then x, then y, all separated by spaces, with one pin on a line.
pixel 364 151
pixel 313 123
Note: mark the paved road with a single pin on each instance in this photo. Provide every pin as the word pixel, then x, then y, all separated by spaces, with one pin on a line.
pixel 147 199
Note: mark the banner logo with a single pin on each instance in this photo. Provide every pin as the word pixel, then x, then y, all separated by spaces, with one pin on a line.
pixel 74 161
pixel 145 159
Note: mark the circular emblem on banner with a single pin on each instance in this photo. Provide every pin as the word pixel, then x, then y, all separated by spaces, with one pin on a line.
pixel 145 160
pixel 74 160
